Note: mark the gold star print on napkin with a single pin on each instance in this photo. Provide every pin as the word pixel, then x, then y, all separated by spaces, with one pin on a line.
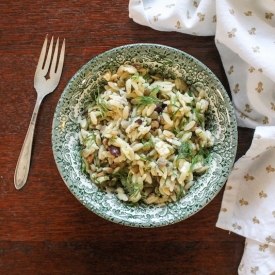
pixel 246 43
pixel 245 38
pixel 248 206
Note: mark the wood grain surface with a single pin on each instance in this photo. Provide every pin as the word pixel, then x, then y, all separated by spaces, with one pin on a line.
pixel 43 228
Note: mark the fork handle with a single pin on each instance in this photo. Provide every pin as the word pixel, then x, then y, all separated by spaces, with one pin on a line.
pixel 23 163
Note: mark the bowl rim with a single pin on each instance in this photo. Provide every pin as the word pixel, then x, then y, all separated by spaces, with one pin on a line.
pixel 121 48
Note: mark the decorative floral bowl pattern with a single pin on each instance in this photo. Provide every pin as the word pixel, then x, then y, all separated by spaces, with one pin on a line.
pixel 171 63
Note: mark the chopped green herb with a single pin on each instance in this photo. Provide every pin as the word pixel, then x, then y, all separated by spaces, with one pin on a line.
pixel 89 140
pixel 149 143
pixel 83 165
pixel 199 115
pixel 185 151
pixel 101 104
pixel 135 77
pixel 144 158
pixel 154 91
pixel 202 156
pixel 112 139
pixel 146 100
pixel 181 193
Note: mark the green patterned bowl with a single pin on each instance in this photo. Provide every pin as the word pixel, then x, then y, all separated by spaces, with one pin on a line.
pixel 171 63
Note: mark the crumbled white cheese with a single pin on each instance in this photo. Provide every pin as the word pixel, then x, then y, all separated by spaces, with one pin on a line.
pixel 162 148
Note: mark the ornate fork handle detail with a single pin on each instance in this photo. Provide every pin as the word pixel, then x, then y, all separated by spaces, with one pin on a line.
pixel 23 164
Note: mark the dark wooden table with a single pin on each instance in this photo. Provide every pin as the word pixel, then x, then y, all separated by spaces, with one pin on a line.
pixel 43 228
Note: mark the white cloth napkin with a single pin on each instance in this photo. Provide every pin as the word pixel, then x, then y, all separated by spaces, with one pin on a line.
pixel 248 206
pixel 245 38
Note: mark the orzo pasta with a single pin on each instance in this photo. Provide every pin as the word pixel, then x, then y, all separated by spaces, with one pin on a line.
pixel 144 137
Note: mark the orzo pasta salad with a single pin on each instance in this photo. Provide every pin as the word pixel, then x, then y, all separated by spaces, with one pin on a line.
pixel 144 137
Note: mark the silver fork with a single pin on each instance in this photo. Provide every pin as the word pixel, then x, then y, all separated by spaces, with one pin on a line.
pixel 43 86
